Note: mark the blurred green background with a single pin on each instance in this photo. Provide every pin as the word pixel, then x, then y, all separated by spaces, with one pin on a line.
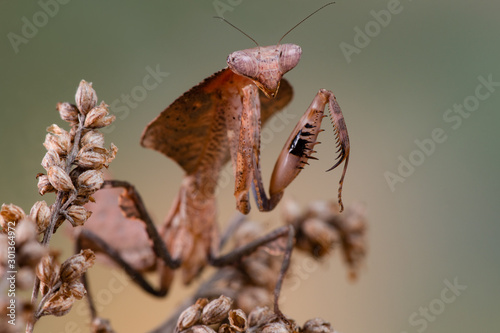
pixel 437 223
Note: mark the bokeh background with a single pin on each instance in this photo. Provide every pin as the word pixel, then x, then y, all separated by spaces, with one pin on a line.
pixel 440 224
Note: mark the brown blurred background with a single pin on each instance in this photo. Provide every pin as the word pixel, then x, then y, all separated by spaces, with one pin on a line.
pixel 437 223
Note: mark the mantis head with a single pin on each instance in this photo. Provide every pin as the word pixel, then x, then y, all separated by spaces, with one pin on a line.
pixel 265 65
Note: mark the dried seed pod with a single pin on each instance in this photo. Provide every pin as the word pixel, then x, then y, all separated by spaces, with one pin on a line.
pixel 51 158
pixel 216 311
pixel 259 316
pixel 92 137
pixel 85 97
pixel 318 235
pixel 101 325
pixel 324 210
pixel 99 117
pixel 44 185
pixel 60 179
pixel 57 140
pixel 199 329
pixel 59 304
pixel 75 288
pixel 48 272
pixel 25 232
pixel 40 213
pixel 12 213
pixel 30 253
pixel 4 226
pixel 317 325
pixel 68 112
pixel 25 277
pixel 78 215
pixel 278 327
pixel 89 182
pixel 191 315
pixel 92 157
pixel 82 200
pixel 238 320
pixel 74 267
pixel 225 328
pixel 112 153
pixel 354 220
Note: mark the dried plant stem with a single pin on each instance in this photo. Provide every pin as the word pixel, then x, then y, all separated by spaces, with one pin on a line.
pixel 45 298
pixel 58 207
pixel 284 268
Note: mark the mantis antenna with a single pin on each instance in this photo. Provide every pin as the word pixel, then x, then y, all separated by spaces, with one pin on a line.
pixel 308 16
pixel 223 19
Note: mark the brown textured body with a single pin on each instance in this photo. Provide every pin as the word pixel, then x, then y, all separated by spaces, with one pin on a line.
pixel 220 119
pixel 197 131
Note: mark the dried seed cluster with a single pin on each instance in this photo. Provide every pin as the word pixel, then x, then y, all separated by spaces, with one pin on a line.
pixel 218 316
pixel 28 251
pixel 74 162
pixel 20 251
pixel 60 284
pixel 320 227
pixel 75 159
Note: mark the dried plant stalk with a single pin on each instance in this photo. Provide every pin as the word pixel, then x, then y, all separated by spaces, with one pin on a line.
pixel 73 165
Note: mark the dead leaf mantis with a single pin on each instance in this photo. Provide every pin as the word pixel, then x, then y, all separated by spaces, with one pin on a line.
pixel 216 121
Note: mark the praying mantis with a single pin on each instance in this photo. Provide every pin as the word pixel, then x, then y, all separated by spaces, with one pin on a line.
pixel 216 121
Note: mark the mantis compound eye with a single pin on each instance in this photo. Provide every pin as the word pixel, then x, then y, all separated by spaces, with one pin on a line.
pixel 289 57
pixel 243 63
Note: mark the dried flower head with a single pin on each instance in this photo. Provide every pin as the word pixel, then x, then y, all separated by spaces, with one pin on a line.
pixel 317 325
pixel 86 97
pixel 44 185
pixel 30 253
pixel 259 316
pixel 59 179
pixel 58 305
pixel 40 213
pixel 51 158
pixel 3 225
pixel 68 112
pixel 89 181
pixel 93 138
pixel 238 320
pixel 12 213
pixel 99 117
pixel 278 327
pixel 77 215
pixel 199 329
pixel 74 267
pixel 25 232
pixel 75 288
pixel 192 315
pixel 92 157
pixel 100 325
pixel 47 272
pixel 215 311
pixel 57 140
pixel 320 227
